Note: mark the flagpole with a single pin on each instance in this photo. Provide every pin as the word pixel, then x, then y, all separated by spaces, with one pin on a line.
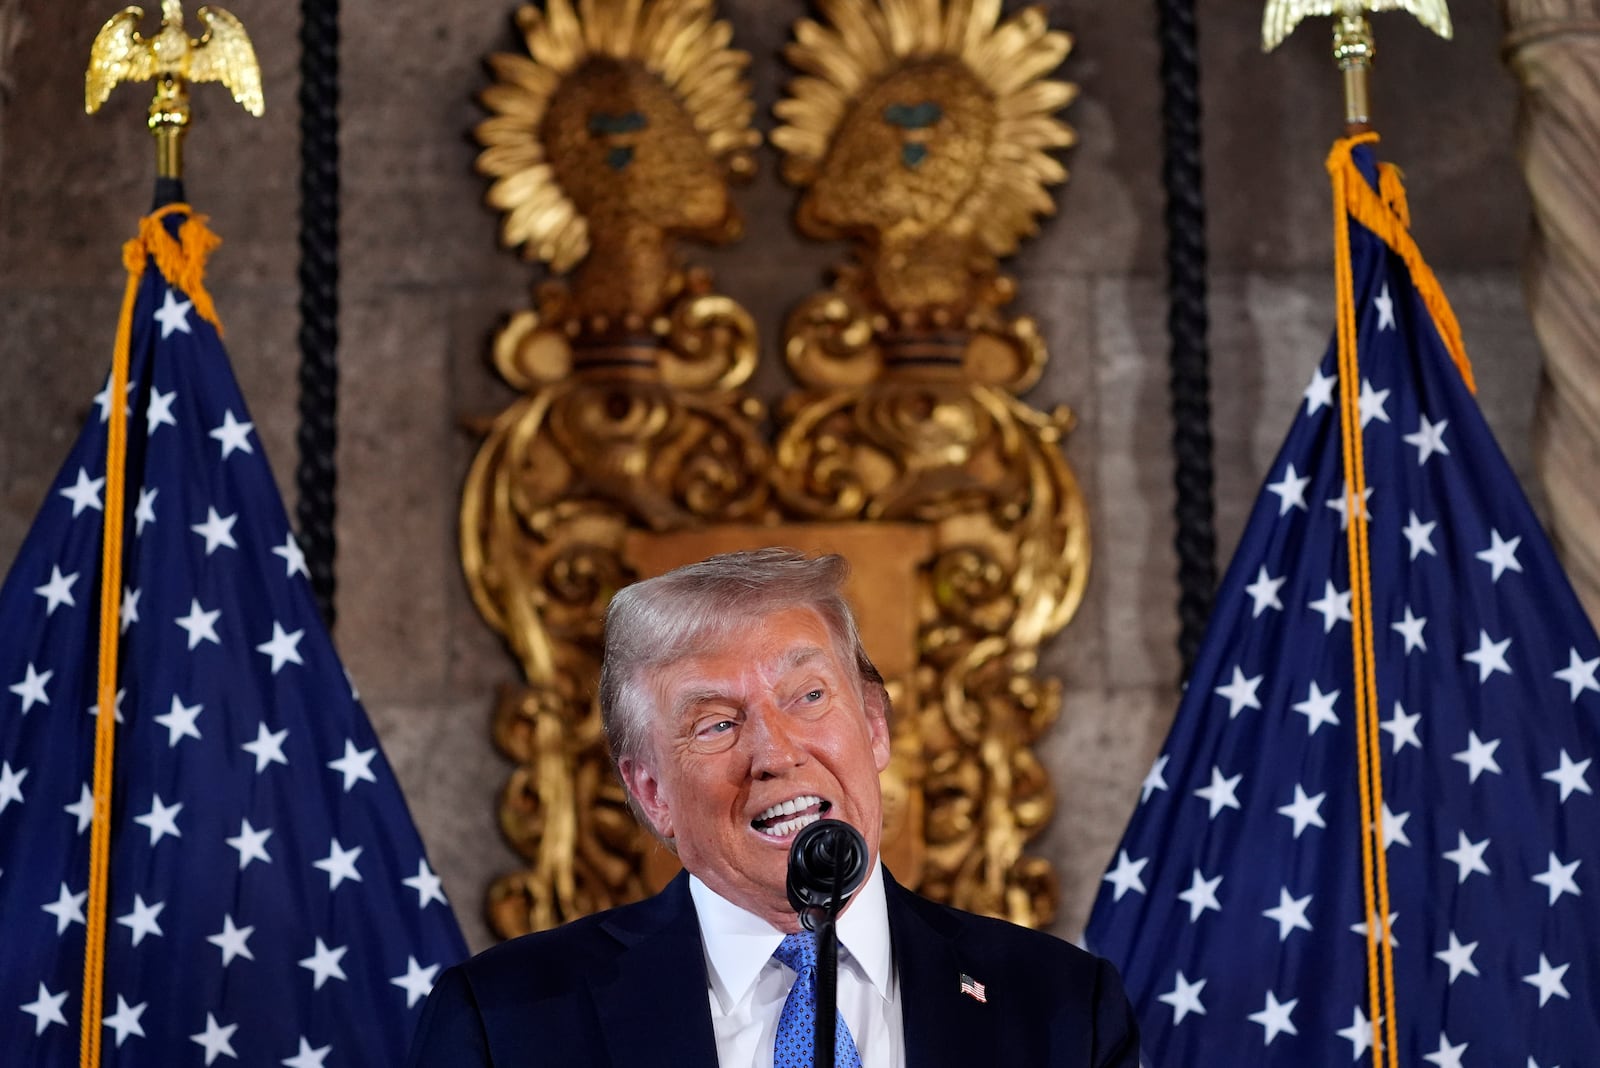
pixel 1354 50
pixel 120 53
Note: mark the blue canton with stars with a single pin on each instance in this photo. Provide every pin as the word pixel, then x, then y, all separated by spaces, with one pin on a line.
pixel 269 899
pixel 1234 905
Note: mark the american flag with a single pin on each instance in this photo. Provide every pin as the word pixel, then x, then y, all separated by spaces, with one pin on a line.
pixel 269 898
pixel 1234 906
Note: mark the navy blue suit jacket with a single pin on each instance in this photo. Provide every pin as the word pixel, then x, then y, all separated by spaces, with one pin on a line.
pixel 627 988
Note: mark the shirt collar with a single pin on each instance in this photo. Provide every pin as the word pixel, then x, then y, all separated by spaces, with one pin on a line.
pixel 738 943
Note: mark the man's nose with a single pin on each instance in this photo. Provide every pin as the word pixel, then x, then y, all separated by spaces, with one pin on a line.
pixel 775 747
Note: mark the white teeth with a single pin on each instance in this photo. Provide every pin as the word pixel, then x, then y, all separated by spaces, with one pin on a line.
pixel 789 808
pixel 788 827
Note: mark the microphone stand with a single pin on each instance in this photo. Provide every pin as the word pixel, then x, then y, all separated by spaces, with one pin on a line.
pixel 821 921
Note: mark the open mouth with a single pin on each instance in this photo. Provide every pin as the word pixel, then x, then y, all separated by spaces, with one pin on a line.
pixel 786 818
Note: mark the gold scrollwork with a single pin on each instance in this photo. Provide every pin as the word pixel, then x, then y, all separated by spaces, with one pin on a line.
pixel 919 131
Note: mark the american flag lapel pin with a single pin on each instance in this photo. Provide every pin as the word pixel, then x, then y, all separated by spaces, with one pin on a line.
pixel 972 988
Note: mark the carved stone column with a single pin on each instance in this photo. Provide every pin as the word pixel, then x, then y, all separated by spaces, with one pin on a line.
pixel 1553 46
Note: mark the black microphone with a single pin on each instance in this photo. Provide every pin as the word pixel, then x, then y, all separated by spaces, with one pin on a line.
pixel 827 863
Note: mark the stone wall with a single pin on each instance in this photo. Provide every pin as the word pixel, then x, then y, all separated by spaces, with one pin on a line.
pixel 424 286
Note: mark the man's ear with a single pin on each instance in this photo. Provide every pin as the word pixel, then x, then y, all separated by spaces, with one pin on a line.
pixel 876 700
pixel 647 795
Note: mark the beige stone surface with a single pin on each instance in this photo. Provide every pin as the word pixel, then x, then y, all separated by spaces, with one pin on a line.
pixel 424 288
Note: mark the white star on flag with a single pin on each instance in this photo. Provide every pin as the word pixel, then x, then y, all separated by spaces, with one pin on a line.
pixel 1291 491
pixel 1184 997
pixel 1401 728
pixel 180 721
pixel 1318 708
pixel 340 864
pixel 1458 957
pixel 1372 403
pixel 58 591
pixel 1478 756
pixel 251 844
pixel 46 1009
pixel 1153 780
pixel 1548 980
pixel 426 884
pixel 142 920
pixel 1264 592
pixel 173 315
pixel 125 1021
pixel 232 940
pixel 1467 856
pixel 85 493
pixel 1124 877
pixel 1201 895
pixel 1240 692
pixel 216 1039
pixel 82 809
pixel 283 648
pixel 1410 628
pixel 307 1057
pixel 217 530
pixel 1333 605
pixel 1385 305
pixel 294 561
pixel 1446 1056
pixel 200 624
pixel 233 435
pixel 31 688
pixel 417 981
pixel 1501 555
pixel 1490 656
pixel 1557 878
pixel 1319 392
pixel 1579 674
pixel 1220 793
pixel 158 412
pixel 162 820
pixel 11 784
pixel 1419 536
pixel 1274 1018
pixel 1360 1034
pixel 267 748
pixel 1570 776
pixel 1305 811
pixel 145 511
pixel 355 765
pixel 67 908
pixel 324 964
pixel 1429 439
pixel 1289 913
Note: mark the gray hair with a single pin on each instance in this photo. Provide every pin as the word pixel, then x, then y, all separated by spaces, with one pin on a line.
pixel 656 621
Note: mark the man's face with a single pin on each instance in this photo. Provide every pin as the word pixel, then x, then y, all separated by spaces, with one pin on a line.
pixel 753 739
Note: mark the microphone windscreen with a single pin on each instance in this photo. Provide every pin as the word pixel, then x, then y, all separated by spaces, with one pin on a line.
pixel 827 863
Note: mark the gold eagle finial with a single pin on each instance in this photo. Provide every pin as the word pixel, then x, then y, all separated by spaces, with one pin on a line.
pixel 1282 16
pixel 173 60
pixel 222 54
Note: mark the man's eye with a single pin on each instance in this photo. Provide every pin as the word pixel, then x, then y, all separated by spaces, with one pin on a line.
pixel 719 726
pixel 813 696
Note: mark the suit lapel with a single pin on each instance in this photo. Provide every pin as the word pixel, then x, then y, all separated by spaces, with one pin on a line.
pixel 942 1025
pixel 653 1006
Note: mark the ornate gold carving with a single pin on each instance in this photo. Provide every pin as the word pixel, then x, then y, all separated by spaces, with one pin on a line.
pixel 174 60
pixel 919 131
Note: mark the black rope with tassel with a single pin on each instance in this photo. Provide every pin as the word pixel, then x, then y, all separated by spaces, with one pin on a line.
pixel 1189 380
pixel 316 476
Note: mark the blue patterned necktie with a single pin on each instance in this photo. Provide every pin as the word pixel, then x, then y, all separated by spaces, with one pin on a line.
pixel 798 1023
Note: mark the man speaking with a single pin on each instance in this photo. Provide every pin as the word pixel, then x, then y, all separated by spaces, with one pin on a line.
pixel 740 707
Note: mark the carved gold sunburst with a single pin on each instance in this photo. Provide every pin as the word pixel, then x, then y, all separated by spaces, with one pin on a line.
pixel 620 106
pixel 963 93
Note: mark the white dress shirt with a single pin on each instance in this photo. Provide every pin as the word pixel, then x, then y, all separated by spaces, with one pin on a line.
pixel 749 987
